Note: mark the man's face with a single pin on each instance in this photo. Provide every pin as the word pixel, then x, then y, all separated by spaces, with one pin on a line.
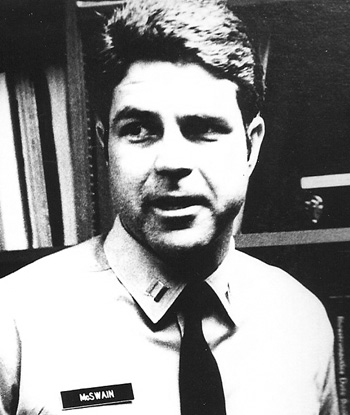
pixel 178 156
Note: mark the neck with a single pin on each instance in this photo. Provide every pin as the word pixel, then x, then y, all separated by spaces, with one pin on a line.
pixel 195 264
pixel 198 264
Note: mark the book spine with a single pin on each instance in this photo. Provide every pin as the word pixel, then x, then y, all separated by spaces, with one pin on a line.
pixel 13 225
pixel 342 363
pixel 339 311
pixel 58 98
pixel 33 163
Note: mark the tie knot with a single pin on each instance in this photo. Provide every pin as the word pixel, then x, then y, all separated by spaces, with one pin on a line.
pixel 197 298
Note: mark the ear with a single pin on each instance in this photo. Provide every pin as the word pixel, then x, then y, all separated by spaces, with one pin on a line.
pixel 100 131
pixel 101 136
pixel 255 134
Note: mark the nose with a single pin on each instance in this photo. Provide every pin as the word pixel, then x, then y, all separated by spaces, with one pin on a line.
pixel 174 158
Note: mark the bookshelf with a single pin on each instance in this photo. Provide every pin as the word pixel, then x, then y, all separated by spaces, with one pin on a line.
pixel 41 57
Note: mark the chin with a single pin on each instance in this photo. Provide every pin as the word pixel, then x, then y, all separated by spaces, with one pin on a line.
pixel 180 244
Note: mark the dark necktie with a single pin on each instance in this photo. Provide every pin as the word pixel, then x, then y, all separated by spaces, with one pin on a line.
pixel 201 391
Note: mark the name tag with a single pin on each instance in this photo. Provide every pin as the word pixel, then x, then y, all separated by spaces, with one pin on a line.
pixel 102 395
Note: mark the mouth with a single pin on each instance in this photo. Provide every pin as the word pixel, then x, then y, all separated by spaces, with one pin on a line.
pixel 177 206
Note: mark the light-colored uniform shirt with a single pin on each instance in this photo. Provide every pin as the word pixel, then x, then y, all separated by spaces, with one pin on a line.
pixel 100 314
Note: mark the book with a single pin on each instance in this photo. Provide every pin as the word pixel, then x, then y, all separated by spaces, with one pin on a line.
pixel 340 318
pixel 56 81
pixel 33 162
pixel 13 225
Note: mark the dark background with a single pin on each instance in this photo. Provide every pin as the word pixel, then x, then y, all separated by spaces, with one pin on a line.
pixel 306 113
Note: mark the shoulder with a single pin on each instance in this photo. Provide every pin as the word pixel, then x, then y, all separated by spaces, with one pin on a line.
pixel 55 271
pixel 285 321
pixel 269 293
pixel 88 256
pixel 271 281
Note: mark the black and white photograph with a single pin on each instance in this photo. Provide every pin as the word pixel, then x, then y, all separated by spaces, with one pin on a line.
pixel 175 207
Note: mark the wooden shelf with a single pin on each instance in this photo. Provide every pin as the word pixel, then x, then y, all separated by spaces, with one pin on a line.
pixel 96 4
pixel 10 261
pixel 27 254
pixel 319 236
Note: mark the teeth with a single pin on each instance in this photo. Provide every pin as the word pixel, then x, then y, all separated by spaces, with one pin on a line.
pixel 173 205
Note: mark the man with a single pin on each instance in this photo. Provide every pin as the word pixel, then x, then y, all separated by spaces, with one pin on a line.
pixel 116 324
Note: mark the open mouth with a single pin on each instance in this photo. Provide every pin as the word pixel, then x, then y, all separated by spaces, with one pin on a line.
pixel 170 206
pixel 174 203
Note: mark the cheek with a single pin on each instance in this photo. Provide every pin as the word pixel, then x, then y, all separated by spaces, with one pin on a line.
pixel 128 171
pixel 120 179
pixel 227 170
pixel 231 169
pixel 129 161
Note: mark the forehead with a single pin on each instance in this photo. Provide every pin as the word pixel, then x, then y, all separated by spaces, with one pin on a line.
pixel 181 88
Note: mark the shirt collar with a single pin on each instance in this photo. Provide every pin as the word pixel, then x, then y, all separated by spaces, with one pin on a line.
pixel 147 279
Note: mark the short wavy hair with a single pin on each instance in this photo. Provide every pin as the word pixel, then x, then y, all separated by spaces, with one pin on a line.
pixel 205 32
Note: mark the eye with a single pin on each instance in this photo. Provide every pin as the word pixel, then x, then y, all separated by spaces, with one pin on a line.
pixel 204 129
pixel 131 128
pixel 137 131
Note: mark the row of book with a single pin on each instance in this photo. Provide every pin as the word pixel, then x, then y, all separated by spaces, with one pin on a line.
pixel 36 167
pixel 339 311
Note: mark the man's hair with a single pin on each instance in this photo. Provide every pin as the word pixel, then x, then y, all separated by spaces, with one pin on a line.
pixel 205 32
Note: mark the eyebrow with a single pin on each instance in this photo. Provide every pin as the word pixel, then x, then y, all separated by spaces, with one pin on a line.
pixel 132 112
pixel 218 121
